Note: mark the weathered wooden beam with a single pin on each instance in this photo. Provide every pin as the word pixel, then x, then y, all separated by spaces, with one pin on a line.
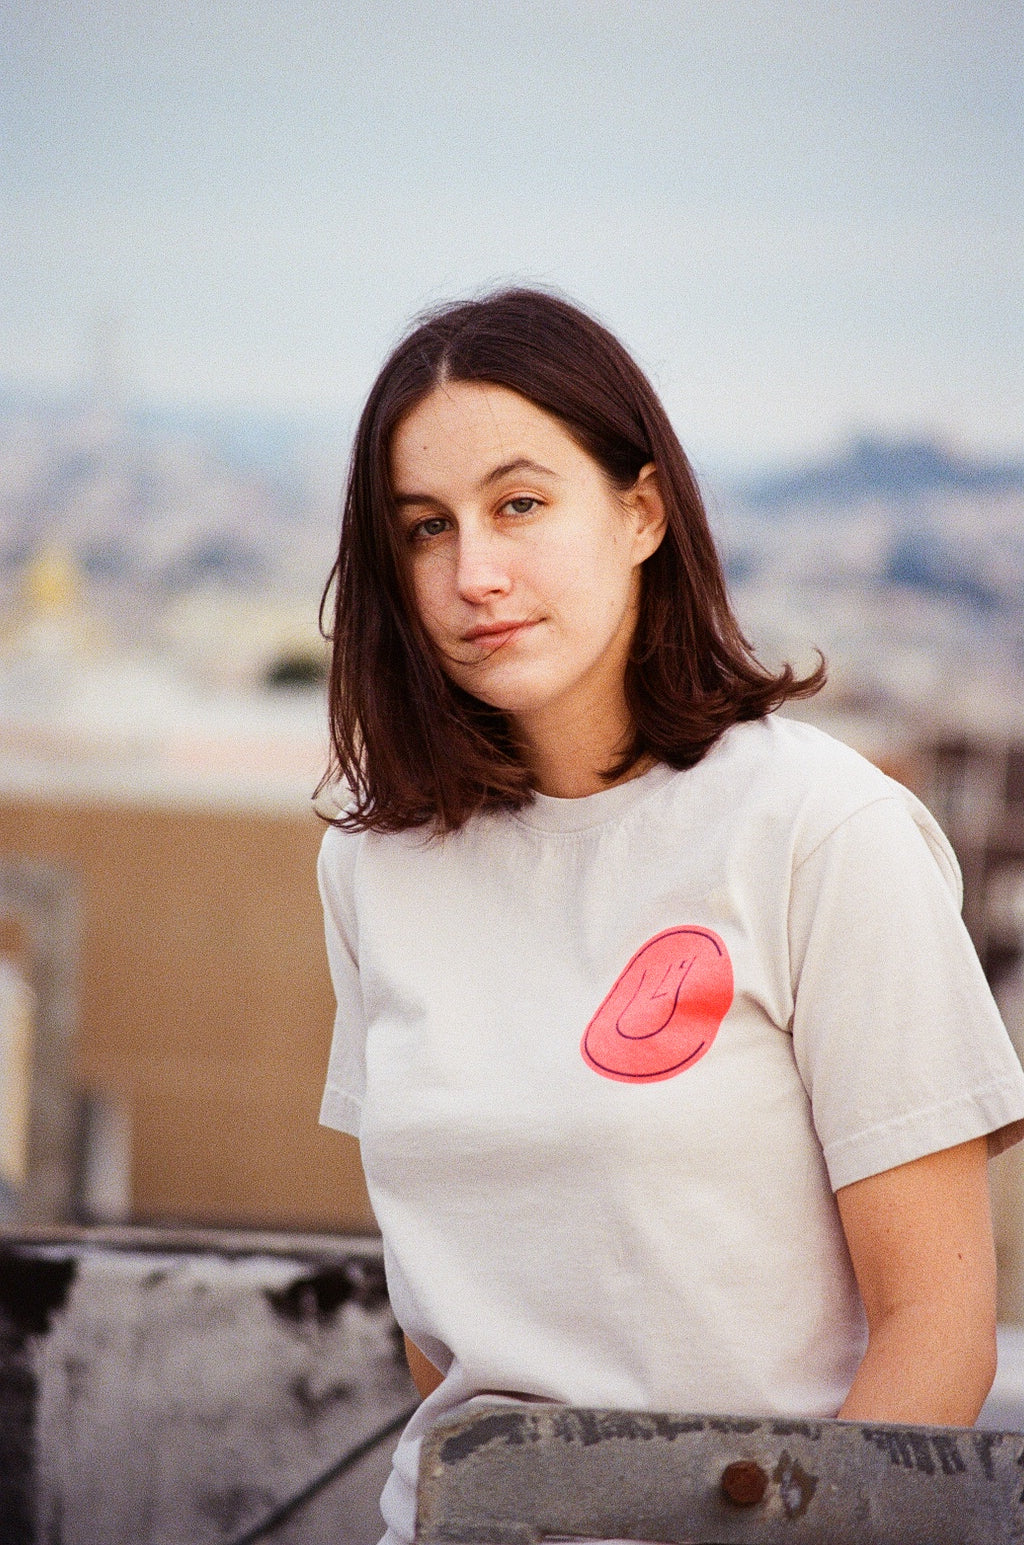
pixel 513 1476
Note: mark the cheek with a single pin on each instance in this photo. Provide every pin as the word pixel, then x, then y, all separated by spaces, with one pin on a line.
pixel 427 597
pixel 591 565
pixel 599 587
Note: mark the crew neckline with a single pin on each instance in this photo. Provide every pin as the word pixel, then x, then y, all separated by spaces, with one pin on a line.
pixel 550 812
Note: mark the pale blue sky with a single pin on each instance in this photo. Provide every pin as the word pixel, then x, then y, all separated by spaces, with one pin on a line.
pixel 804 216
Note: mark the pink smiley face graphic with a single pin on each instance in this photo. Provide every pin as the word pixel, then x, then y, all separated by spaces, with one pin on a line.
pixel 664 1010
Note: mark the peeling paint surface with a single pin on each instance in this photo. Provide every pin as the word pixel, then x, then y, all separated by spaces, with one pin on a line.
pixel 515 1476
pixel 180 1397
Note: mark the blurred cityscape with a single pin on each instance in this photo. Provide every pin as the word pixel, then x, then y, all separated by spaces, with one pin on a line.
pixel 903 560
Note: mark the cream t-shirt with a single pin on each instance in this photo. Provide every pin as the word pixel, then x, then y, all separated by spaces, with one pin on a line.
pixel 608 1059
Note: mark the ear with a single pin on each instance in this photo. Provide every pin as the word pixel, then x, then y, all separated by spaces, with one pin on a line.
pixel 647 509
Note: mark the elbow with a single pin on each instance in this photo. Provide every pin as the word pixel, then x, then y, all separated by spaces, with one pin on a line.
pixel 969 1367
pixel 971 1371
pixel 925 1368
pixel 987 1358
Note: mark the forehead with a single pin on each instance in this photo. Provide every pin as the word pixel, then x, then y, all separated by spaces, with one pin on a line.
pixel 464 429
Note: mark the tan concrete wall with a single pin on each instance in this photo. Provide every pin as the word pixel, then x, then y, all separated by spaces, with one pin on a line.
pixel 206 1005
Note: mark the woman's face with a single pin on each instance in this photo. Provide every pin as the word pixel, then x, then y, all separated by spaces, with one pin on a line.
pixel 524 560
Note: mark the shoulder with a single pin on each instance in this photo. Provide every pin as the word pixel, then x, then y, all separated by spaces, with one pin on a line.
pixel 799 756
pixel 349 857
pixel 335 873
pixel 339 850
pixel 799 777
pixel 790 767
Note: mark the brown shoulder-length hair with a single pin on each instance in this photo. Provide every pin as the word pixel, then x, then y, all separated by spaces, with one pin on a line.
pixel 413 747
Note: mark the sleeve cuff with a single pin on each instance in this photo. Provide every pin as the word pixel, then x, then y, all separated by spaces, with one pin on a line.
pixel 994 1112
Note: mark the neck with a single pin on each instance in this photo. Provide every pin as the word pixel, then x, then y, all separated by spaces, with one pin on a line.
pixel 569 756
pixel 578 784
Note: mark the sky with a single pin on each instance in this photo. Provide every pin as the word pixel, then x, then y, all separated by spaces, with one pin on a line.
pixel 804 217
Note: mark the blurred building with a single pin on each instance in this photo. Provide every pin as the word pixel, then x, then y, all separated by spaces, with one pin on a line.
pixel 177 810
pixel 974 781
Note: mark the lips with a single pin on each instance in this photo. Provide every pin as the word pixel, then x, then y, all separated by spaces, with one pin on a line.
pixel 493 635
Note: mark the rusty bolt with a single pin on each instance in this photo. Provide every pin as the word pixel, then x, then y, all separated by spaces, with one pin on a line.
pixel 744 1483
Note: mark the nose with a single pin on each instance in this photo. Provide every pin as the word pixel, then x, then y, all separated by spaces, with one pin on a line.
pixel 482 571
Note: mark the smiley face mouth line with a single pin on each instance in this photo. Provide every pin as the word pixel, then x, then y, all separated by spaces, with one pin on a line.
pixel 631 1078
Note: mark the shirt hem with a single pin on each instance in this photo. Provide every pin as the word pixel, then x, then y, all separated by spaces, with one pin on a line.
pixel 341 1111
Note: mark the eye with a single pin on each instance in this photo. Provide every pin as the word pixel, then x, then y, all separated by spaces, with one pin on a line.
pixel 521 506
pixel 423 530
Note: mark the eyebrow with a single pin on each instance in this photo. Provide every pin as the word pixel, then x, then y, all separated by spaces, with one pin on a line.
pixel 521 464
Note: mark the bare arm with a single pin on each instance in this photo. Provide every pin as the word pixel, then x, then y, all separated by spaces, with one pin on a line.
pixel 920 1238
pixel 424 1375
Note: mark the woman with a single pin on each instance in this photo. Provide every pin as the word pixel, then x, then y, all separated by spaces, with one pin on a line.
pixel 673 1069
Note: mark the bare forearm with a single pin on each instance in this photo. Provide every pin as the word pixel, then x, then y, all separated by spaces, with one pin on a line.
pixel 916 1370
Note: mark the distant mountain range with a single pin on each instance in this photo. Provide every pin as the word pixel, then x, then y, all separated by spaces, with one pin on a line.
pixel 894 470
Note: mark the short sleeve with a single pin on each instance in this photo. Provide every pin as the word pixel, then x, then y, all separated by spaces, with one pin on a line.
pixel 346 1069
pixel 896 1035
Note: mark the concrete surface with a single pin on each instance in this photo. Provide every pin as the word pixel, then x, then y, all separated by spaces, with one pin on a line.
pixel 176 1396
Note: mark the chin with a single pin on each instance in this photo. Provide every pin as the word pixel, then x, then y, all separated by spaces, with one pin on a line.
pixel 509 698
